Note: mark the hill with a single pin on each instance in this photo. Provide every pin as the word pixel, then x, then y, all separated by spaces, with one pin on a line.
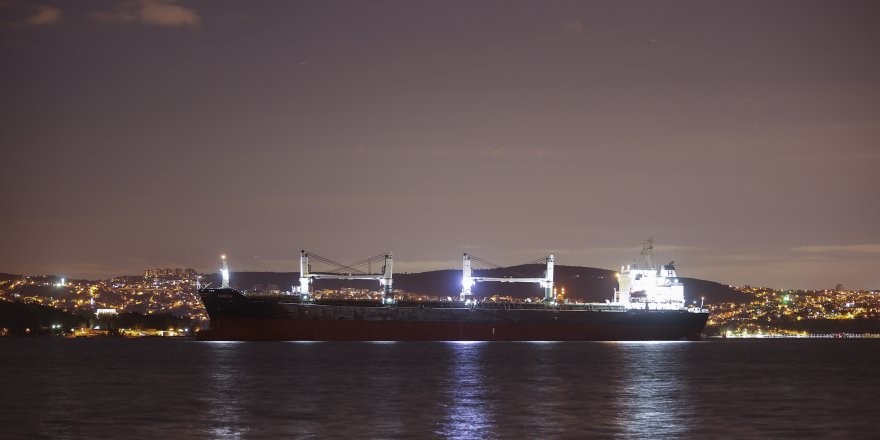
pixel 16 317
pixel 8 276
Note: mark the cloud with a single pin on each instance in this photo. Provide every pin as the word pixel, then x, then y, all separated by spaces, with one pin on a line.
pixel 154 12
pixel 573 27
pixel 28 15
pixel 868 248
pixel 743 257
pixel 443 151
pixel 425 265
pixel 636 250
pixel 165 13
pixel 43 16
pixel 632 251
pixel 495 152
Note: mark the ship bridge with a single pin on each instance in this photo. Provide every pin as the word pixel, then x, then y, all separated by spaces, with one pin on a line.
pixel 645 286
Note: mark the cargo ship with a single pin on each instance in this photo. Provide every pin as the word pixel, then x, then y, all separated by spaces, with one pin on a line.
pixel 648 305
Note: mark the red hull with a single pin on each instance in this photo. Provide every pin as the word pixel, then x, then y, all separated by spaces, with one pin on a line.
pixel 263 329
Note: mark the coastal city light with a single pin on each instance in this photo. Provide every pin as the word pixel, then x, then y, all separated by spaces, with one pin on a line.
pixel 798 312
pixel 764 311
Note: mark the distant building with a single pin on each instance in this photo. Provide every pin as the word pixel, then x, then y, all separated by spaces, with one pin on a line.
pixel 177 272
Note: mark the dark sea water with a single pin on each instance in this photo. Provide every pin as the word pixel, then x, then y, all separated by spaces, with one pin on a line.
pixel 181 389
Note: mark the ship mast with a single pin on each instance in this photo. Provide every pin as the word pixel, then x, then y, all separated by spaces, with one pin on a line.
pixel 648 253
pixel 224 272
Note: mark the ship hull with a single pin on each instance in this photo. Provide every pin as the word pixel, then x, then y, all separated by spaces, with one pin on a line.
pixel 268 329
pixel 238 318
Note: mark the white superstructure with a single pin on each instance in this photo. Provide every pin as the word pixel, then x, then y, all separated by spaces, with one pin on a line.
pixel 644 286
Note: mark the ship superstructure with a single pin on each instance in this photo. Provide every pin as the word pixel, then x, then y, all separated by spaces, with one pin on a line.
pixel 644 286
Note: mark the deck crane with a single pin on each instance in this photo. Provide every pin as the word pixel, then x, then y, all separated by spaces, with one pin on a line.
pixel 345 272
pixel 468 279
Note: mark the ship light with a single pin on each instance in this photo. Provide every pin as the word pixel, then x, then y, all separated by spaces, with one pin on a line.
pixel 468 282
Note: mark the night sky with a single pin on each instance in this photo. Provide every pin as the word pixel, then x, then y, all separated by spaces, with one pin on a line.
pixel 742 135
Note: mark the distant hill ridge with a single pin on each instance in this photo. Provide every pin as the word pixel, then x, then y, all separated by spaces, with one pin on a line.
pixel 582 283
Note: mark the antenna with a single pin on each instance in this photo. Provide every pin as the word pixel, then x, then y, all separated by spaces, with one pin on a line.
pixel 648 253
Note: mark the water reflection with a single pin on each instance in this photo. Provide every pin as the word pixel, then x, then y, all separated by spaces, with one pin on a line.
pixel 61 415
pixel 469 412
pixel 224 392
pixel 385 389
pixel 539 388
pixel 653 399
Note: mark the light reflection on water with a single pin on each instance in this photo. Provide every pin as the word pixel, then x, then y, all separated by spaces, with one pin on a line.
pixel 224 393
pixel 112 388
pixel 652 398
pixel 468 411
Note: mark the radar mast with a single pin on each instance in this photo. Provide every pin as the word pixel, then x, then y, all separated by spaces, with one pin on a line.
pixel 648 253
